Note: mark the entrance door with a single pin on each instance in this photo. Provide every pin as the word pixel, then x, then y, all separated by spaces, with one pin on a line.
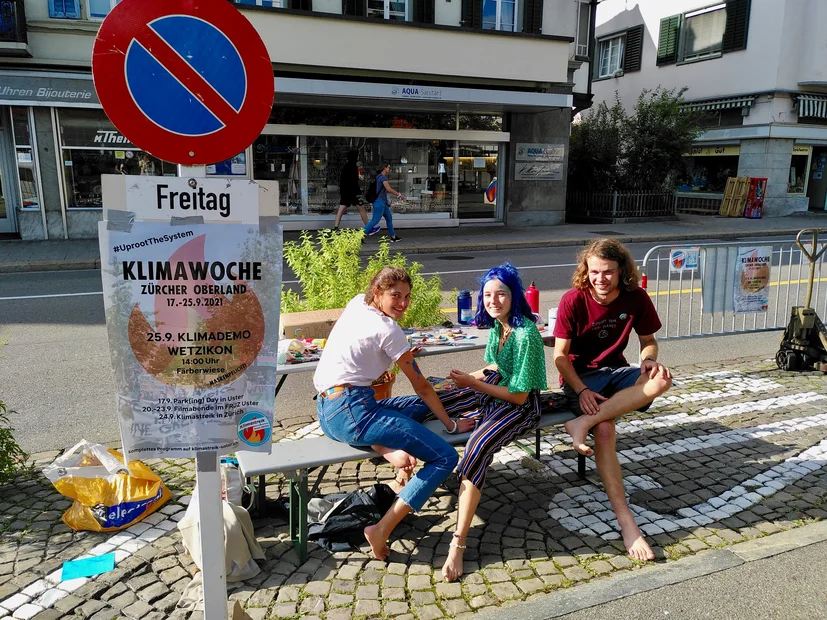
pixel 8 200
pixel 817 188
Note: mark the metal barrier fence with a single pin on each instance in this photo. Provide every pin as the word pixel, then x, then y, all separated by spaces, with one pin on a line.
pixel 644 203
pixel 696 299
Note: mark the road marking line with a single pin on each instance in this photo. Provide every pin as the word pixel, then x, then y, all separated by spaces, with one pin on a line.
pixel 48 296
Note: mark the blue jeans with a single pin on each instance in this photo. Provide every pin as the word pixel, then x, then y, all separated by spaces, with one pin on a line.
pixel 381 208
pixel 355 417
pixel 606 382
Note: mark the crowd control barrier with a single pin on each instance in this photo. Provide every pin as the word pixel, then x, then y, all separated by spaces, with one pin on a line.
pixel 712 289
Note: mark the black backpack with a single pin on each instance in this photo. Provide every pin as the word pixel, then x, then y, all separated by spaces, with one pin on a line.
pixel 371 191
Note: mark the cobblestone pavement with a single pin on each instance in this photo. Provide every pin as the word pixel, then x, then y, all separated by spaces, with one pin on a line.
pixel 736 451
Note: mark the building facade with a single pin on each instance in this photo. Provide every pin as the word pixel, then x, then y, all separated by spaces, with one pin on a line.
pixel 469 101
pixel 752 67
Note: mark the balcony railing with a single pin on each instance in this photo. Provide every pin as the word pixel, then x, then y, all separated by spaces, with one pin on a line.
pixel 12 22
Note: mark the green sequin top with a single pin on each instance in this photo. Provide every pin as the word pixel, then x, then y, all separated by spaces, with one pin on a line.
pixel 522 361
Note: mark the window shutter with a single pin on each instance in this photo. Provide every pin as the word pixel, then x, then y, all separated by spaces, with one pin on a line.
pixel 472 14
pixel 301 5
pixel 424 11
pixel 634 49
pixel 533 16
pixel 354 7
pixel 737 25
pixel 64 9
pixel 670 31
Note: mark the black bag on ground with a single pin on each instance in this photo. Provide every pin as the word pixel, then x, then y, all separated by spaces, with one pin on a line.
pixel 371 191
pixel 341 528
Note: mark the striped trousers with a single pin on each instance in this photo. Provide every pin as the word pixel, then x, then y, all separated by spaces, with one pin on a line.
pixel 498 424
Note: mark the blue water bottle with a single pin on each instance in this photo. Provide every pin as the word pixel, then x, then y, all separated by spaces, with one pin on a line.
pixel 464 308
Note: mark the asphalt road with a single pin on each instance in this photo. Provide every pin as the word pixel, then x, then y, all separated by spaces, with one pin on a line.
pixel 788 586
pixel 55 371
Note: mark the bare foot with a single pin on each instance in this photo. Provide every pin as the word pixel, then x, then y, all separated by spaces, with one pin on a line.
pixel 377 542
pixel 636 545
pixel 578 429
pixel 403 476
pixel 398 458
pixel 452 569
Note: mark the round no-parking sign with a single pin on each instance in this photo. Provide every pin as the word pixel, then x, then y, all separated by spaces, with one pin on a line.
pixel 189 81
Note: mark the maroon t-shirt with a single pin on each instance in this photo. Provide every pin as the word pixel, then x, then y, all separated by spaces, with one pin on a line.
pixel 599 334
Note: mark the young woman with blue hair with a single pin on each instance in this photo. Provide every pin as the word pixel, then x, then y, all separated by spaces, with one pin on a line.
pixel 503 397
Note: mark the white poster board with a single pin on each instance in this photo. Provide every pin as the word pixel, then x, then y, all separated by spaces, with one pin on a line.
pixel 192 313
pixel 752 279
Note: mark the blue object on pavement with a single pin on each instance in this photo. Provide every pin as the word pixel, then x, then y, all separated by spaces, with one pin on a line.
pixel 87 567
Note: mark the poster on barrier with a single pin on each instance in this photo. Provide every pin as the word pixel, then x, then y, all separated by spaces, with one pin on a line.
pixel 683 259
pixel 752 279
pixel 192 314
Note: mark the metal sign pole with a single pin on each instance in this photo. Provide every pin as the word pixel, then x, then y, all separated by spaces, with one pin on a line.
pixel 210 511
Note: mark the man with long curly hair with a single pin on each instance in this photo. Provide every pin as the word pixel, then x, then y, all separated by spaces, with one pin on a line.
pixel 594 321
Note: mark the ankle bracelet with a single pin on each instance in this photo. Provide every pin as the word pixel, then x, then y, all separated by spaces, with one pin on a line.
pixel 460 537
pixel 453 544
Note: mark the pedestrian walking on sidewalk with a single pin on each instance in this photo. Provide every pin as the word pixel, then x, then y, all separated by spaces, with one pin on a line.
pixel 349 190
pixel 381 205
pixel 594 321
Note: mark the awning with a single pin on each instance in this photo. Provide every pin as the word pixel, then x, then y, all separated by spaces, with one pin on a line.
pixel 812 106
pixel 720 104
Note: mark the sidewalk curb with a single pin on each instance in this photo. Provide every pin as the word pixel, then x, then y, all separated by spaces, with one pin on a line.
pixel 574 241
pixel 447 248
pixel 50 265
pixel 634 582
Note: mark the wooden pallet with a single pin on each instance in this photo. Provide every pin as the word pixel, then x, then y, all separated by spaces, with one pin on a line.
pixel 735 197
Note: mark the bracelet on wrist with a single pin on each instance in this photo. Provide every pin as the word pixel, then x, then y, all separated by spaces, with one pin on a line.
pixel 454 430
pixel 581 391
pixel 650 359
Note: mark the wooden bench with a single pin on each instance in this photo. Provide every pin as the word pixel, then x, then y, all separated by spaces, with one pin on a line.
pixel 297 458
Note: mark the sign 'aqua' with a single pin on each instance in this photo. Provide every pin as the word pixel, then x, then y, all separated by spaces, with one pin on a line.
pixel 189 81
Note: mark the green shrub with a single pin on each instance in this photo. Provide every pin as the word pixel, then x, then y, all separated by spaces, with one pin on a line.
pixel 330 273
pixel 12 457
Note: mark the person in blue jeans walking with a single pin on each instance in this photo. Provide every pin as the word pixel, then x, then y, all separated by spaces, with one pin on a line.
pixel 362 345
pixel 382 206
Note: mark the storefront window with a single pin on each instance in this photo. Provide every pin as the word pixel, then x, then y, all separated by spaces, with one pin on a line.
pixel 24 157
pixel 709 167
pixel 308 169
pixel 91 147
pixel 799 166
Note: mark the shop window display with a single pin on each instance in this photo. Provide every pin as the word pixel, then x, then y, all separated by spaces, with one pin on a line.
pixel 797 183
pixel 91 147
pixel 24 158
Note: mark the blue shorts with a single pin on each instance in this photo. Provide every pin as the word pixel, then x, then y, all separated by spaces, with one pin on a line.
pixel 606 382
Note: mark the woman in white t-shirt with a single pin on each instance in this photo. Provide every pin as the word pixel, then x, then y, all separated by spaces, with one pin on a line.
pixel 363 344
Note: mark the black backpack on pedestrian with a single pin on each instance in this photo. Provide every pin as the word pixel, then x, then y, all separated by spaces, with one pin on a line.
pixel 371 191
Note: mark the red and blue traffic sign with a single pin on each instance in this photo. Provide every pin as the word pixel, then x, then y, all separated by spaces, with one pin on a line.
pixel 189 81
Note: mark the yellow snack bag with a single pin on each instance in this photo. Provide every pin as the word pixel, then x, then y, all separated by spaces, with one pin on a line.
pixel 109 495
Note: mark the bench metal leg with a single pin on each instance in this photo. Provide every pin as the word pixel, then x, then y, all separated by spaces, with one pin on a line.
pixel 299 497
pixel 262 495
pixel 281 382
pixel 581 466
pixel 316 484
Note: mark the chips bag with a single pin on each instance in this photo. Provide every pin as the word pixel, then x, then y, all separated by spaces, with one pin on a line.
pixel 108 494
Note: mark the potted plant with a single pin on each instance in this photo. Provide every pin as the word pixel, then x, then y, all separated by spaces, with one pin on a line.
pixel 330 272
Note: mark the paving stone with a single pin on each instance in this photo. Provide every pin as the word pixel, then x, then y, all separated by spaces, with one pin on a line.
pixel 481 601
pixel 154 592
pixel 621 562
pixel 288 594
pixel 138 609
pixel 367 608
pixel 312 605
pixel 283 610
pixel 497 575
pixel 367 592
pixel 553 580
pixel 419 582
pixel 576 573
pixel 530 586
pixel 394 609
pixel 393 594
pixel 422 598
pixel 505 591
pixel 317 588
pixel 449 590
pixel 344 586
pixel 429 612
pixel 601 567
pixel 339 614
pixel 339 600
